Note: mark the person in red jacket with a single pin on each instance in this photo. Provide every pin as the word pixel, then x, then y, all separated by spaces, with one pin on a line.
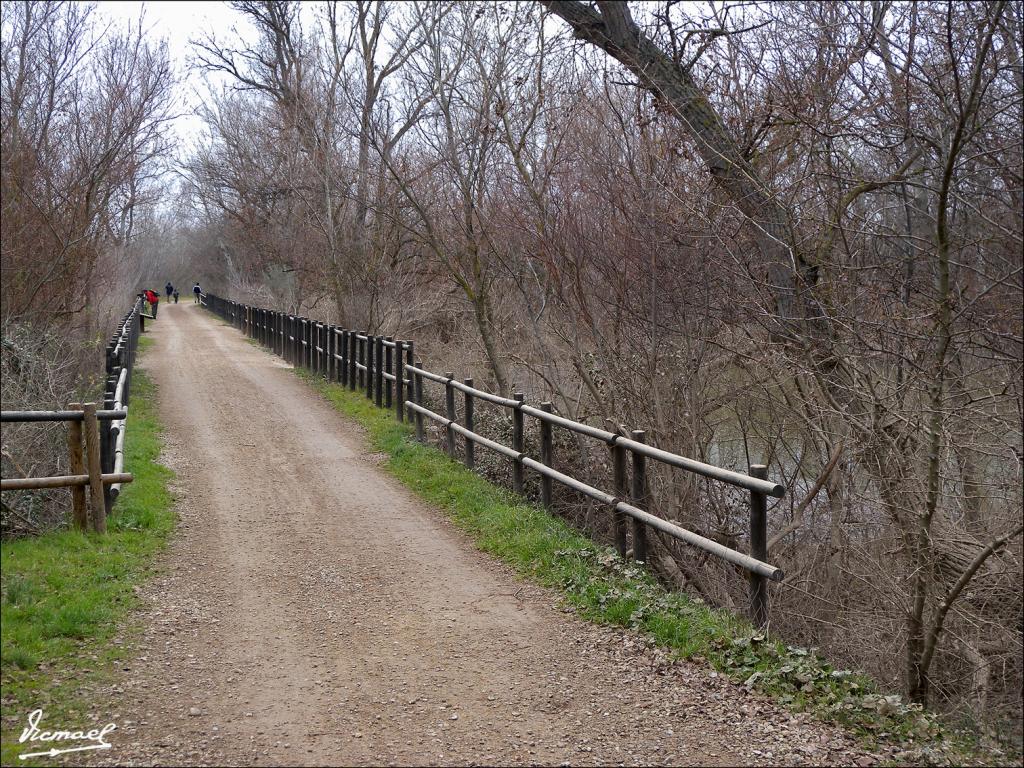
pixel 153 298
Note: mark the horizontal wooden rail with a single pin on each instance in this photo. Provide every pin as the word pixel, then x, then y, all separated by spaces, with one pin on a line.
pixel 60 481
pixel 573 426
pixel 487 396
pixel 427 374
pixel 504 450
pixel 35 416
pixel 707 470
pixel 417 408
pixel 713 547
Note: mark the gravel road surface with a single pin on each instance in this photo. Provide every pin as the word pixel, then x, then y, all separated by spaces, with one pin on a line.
pixel 311 610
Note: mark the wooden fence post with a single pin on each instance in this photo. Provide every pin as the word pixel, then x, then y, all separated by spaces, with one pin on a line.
pixel 368 362
pixel 449 405
pixel 331 335
pixel 353 357
pixel 309 344
pixel 400 380
pixel 76 466
pixel 316 335
pixel 621 492
pixel 98 510
pixel 547 455
pixel 418 383
pixel 318 357
pixel 378 374
pixel 360 360
pixel 310 350
pixel 389 368
pixel 517 443
pixel 467 413
pixel 639 498
pixel 344 357
pixel 758 548
pixel 107 442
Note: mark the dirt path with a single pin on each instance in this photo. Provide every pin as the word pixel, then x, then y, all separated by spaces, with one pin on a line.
pixel 311 610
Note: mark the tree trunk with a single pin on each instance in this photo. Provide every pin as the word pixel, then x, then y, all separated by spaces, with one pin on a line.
pixel 483 313
pixel 614 31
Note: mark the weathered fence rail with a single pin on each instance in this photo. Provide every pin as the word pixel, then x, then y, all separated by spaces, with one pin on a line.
pixel 101 466
pixel 391 376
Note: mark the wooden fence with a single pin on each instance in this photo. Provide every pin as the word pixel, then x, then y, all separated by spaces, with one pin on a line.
pixel 391 376
pixel 101 468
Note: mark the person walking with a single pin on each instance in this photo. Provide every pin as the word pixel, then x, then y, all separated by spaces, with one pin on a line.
pixel 197 291
pixel 175 295
pixel 169 288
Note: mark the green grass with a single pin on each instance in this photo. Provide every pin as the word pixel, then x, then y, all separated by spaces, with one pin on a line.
pixel 66 594
pixel 606 589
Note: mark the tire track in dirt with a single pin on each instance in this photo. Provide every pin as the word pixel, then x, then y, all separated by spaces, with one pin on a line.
pixel 310 610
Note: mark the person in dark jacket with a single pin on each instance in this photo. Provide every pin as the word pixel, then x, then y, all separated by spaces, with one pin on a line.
pixel 169 288
pixel 197 291
pixel 175 295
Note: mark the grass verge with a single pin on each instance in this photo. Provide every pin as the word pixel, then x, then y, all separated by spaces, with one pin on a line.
pixel 66 594
pixel 604 588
